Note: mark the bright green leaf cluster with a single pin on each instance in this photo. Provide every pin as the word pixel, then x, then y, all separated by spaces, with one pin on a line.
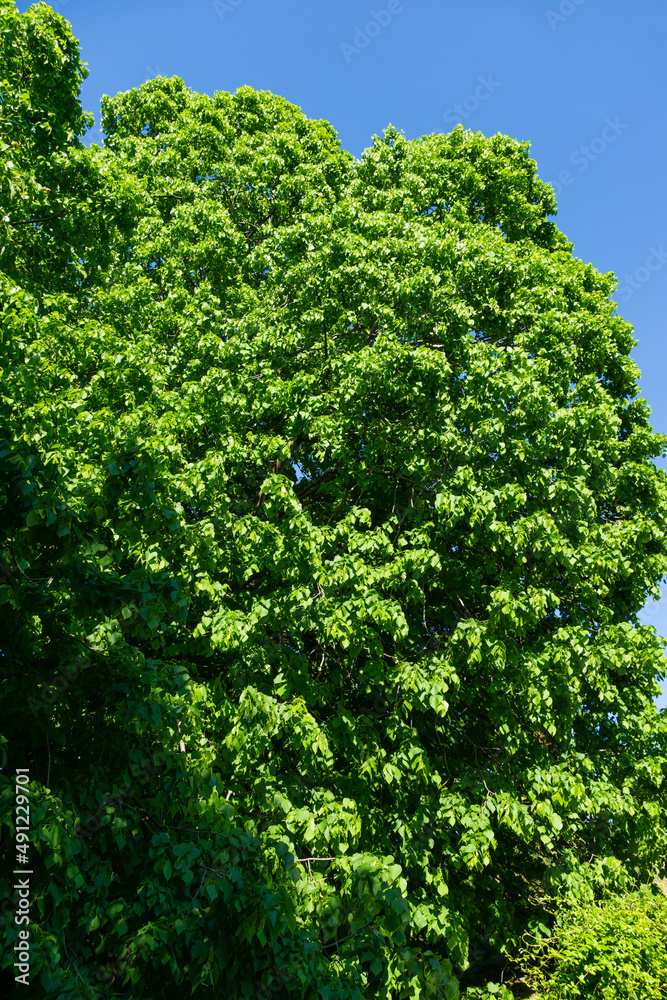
pixel 606 950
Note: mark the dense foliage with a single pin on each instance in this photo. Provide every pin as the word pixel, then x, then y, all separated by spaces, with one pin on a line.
pixel 608 950
pixel 327 510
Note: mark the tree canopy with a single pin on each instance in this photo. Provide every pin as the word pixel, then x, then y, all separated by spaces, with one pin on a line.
pixel 328 509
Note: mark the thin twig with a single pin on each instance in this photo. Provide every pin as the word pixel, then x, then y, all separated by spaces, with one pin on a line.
pixel 69 959
pixel 30 222
pixel 334 944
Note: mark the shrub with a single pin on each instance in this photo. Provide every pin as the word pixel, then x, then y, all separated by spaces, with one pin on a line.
pixel 613 949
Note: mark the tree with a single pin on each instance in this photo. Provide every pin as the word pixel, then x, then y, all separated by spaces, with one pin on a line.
pixel 328 507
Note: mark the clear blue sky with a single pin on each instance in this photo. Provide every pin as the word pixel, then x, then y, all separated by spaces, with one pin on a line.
pixel 585 81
